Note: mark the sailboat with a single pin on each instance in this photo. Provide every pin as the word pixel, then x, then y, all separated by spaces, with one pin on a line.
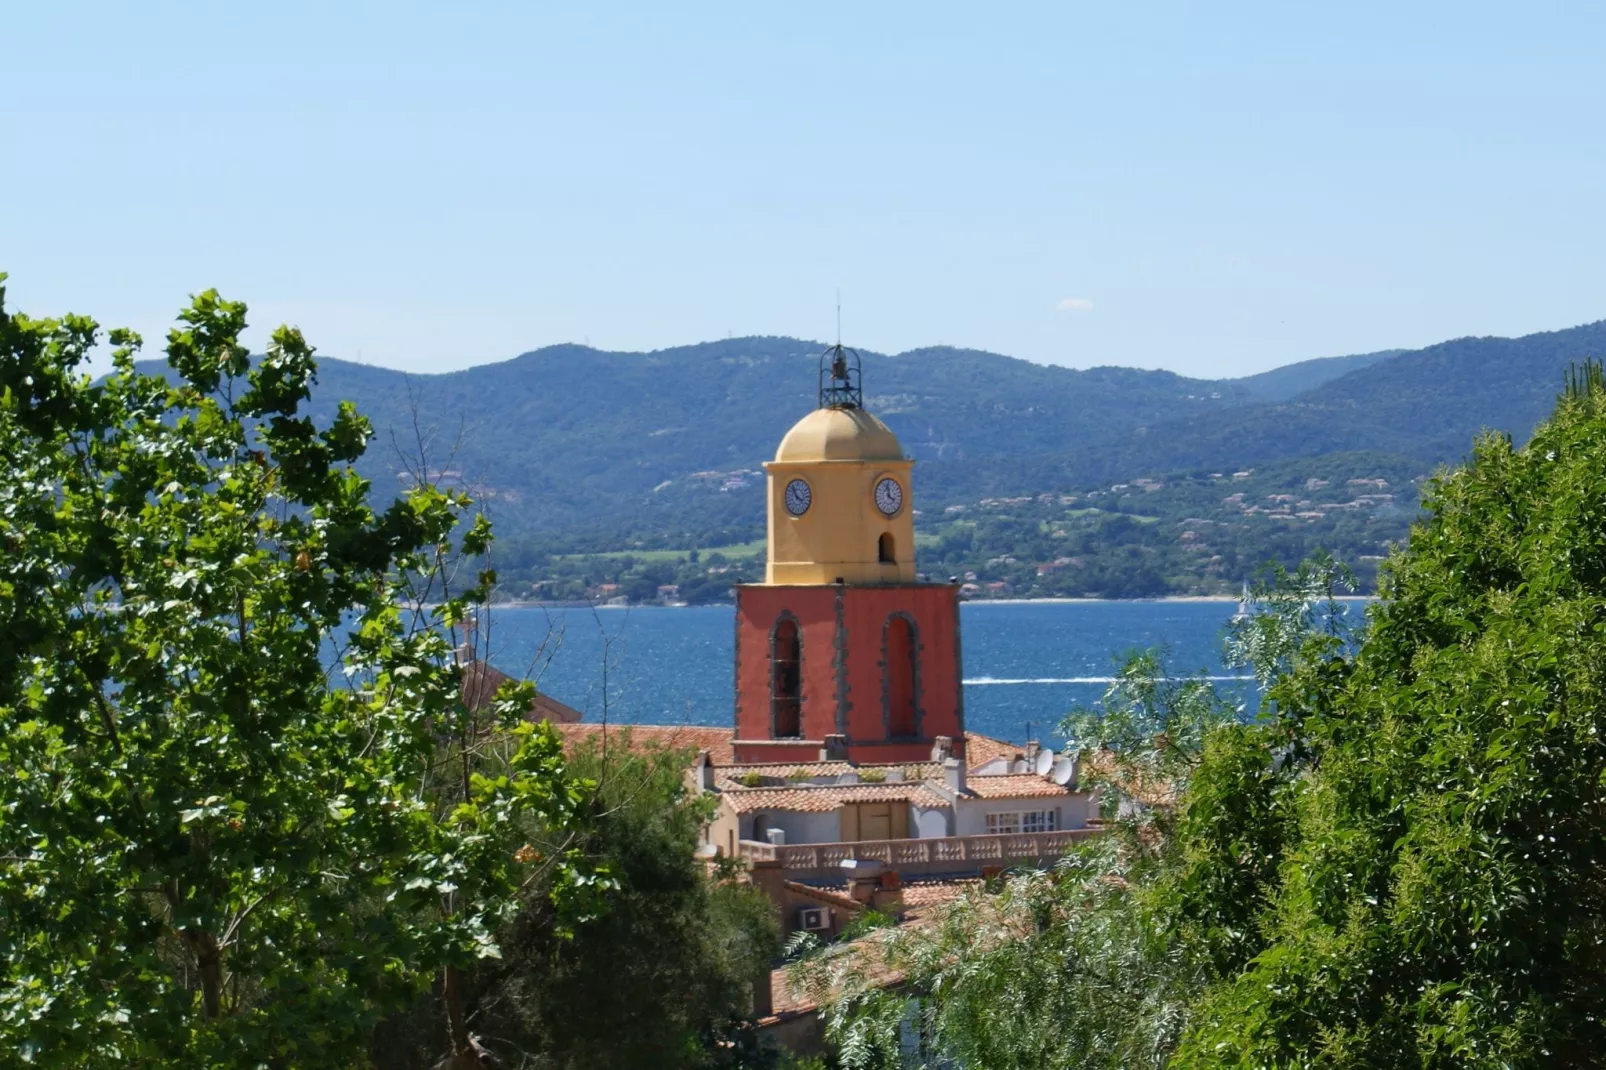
pixel 1243 604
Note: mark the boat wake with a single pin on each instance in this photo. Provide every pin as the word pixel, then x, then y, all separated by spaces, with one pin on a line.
pixel 988 681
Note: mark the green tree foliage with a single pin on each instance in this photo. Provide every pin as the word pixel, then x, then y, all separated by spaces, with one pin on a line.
pixel 1057 969
pixel 1440 901
pixel 1399 864
pixel 663 979
pixel 243 807
pixel 1144 738
pixel 1081 966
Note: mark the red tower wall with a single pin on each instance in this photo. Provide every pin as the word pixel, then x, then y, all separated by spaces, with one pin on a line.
pixel 844 633
pixel 757 609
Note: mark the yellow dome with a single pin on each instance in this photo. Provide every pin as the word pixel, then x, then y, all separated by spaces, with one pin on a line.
pixel 839 435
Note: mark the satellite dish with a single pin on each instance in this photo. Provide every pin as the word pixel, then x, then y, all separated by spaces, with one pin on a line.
pixel 1045 761
pixel 1064 770
pixel 1019 766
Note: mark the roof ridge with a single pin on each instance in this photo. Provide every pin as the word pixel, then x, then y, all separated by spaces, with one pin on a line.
pixel 825 894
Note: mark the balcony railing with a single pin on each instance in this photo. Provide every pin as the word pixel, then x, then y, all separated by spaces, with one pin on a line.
pixel 958 851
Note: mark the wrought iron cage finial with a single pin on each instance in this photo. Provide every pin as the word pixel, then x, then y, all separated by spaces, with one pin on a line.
pixel 839 379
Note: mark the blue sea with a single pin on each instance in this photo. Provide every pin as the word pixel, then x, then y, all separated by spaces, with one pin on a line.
pixel 1025 663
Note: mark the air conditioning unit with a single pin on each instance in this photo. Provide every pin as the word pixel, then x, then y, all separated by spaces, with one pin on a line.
pixel 813 919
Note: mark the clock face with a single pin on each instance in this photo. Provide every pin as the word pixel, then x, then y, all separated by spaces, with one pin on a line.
pixel 888 497
pixel 798 496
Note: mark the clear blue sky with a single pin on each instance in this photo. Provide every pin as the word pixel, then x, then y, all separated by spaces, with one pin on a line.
pixel 1212 188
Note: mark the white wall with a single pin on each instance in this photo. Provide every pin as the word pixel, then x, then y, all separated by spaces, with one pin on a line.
pixel 800 827
pixel 970 815
pixel 931 824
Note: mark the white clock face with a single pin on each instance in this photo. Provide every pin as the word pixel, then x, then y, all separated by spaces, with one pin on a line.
pixel 798 496
pixel 888 497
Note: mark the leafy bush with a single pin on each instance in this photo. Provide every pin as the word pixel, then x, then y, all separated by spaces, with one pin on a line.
pixel 664 979
pixel 1400 864
pixel 211 854
pixel 1441 899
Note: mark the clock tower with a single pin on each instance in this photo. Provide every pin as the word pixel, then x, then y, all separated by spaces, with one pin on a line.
pixel 841 650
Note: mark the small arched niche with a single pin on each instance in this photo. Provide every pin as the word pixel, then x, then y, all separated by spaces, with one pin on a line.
pixel 786 679
pixel 899 684
pixel 887 549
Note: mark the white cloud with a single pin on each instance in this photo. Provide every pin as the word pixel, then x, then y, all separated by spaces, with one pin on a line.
pixel 1074 304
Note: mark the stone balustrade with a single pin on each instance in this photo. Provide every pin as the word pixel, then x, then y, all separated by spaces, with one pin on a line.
pixel 945 854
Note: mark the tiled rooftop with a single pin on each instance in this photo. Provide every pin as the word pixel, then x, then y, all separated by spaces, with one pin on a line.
pixel 1012 786
pixel 786 1002
pixel 980 749
pixel 824 799
pixel 781 769
pixel 481 681
pixel 920 898
pixel 717 741
pixel 824 895
pixel 1101 767
pixel 730 776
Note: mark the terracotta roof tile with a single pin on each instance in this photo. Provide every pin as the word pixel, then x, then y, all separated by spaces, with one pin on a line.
pixel 481 680
pixel 781 769
pixel 1101 766
pixel 784 1000
pixel 770 768
pixel 717 741
pixel 786 1003
pixel 980 749
pixel 920 898
pixel 730 776
pixel 1012 786
pixel 824 895
pixel 825 799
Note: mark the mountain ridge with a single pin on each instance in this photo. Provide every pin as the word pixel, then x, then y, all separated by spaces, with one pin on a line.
pixel 573 438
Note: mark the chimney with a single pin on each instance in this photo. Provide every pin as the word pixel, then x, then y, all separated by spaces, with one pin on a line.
pixel 887 896
pixel 863 878
pixel 942 748
pixel 835 749
pixel 1032 747
pixel 953 775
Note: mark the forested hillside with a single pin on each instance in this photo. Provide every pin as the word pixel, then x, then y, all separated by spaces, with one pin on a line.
pixel 1291 380
pixel 581 452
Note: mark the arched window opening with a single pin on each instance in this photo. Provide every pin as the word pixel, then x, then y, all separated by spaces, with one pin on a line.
pixel 900 670
pixel 786 680
pixel 888 549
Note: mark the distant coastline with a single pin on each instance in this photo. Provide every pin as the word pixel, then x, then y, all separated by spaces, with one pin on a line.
pixel 1231 599
pixel 1225 599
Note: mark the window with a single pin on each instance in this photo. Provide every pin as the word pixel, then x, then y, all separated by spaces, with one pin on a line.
pixel 1027 821
pixel 898 683
pixel 786 679
pixel 1039 821
pixel 886 549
